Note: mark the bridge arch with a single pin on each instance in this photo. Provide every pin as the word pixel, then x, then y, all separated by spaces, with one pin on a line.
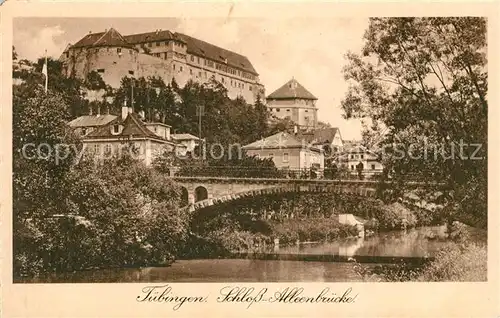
pixel 200 194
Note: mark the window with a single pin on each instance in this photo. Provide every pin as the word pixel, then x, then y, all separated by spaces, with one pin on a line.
pixel 118 50
pixel 174 67
pixel 285 157
pixel 131 72
pixel 101 70
pixel 158 43
pixel 352 167
pixel 373 167
pixel 306 111
pixel 352 156
pixel 97 148
pixel 116 129
pixel 361 156
pixel 192 58
pixel 181 68
pixel 84 131
pixel 198 60
pixel 199 74
pixel 278 110
pixel 205 75
pixel 288 110
pixel 107 148
pixel 190 71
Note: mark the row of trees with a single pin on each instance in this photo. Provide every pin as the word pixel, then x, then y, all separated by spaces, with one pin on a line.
pixel 421 82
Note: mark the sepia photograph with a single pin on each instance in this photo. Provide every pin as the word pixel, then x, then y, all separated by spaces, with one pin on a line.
pixel 215 150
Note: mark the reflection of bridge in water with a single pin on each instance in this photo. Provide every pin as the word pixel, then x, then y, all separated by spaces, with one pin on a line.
pixel 200 192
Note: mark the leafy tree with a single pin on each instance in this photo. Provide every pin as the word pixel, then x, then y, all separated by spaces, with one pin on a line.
pixel 425 79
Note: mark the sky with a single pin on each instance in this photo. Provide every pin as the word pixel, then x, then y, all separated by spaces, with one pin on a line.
pixel 310 50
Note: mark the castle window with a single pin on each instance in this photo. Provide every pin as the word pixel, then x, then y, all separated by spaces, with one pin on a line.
pixel 119 50
pixel 288 110
pixel 107 149
pixel 373 167
pixel 174 67
pixel 181 68
pixel 101 70
pixel 250 87
pixel 199 74
pixel 190 71
pixel 362 156
pixel 277 109
pixel 205 74
pixel 306 111
pixel 131 72
pixel 198 60
pixel 192 58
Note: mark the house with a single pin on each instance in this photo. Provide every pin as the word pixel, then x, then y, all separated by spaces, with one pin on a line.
pixel 351 157
pixel 294 102
pixel 323 137
pixel 188 140
pixel 149 139
pixel 287 152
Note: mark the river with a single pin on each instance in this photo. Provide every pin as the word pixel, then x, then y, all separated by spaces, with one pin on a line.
pixel 418 243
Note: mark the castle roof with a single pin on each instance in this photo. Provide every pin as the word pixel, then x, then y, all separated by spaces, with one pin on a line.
pixel 213 52
pixel 194 46
pixel 110 37
pixel 292 90
pixel 281 140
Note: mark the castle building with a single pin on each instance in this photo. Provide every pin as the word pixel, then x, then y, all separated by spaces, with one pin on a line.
pixel 164 54
pixel 295 102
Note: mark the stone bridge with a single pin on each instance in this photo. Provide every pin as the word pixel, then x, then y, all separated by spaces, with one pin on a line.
pixel 200 192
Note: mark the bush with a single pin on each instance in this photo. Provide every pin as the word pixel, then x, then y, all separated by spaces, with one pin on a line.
pixel 458 263
pixel 395 216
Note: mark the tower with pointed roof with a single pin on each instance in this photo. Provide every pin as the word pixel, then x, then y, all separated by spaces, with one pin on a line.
pixel 295 102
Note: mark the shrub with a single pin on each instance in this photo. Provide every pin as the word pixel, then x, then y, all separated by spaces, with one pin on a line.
pixel 458 263
pixel 396 216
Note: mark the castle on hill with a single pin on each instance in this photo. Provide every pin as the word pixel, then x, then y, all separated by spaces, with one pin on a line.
pixel 164 54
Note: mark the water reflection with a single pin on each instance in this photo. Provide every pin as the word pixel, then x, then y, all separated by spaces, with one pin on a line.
pixel 420 242
pixel 216 270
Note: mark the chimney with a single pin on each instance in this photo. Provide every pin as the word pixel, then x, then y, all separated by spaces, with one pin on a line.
pixel 142 115
pixel 124 111
pixel 98 111
pixel 130 110
pixel 295 129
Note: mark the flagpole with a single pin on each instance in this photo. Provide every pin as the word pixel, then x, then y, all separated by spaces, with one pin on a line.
pixel 47 74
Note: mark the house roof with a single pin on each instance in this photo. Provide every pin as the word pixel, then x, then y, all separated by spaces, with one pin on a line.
pixel 110 37
pixel 194 46
pixel 281 140
pixel 132 127
pixel 320 136
pixel 292 90
pixel 184 137
pixel 91 121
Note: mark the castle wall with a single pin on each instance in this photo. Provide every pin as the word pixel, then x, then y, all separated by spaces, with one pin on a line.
pixel 107 61
pixel 166 59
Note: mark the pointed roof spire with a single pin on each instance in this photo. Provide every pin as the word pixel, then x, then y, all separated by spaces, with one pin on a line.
pixel 292 90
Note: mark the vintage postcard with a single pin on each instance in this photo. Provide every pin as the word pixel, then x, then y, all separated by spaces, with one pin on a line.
pixel 249 159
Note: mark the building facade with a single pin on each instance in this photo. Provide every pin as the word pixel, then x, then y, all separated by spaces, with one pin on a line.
pixel 294 102
pixel 351 157
pixel 128 131
pixel 287 152
pixel 163 54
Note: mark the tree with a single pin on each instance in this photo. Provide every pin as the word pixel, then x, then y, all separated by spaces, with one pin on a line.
pixel 425 79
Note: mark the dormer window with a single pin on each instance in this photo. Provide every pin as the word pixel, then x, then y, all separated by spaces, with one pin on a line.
pixel 116 129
